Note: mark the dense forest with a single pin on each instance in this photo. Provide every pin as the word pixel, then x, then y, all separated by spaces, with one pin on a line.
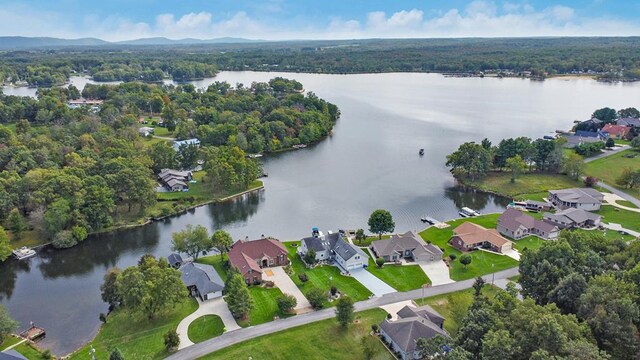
pixel 608 58
pixel 70 170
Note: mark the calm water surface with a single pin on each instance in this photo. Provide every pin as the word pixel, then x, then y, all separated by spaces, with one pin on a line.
pixel 371 161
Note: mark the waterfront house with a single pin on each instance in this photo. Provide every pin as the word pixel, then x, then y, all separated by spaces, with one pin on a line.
pixel 175 180
pixel 469 236
pixel 11 355
pixel 600 134
pixel 202 281
pixel 516 225
pixel 409 246
pixel 533 205
pixel 249 257
pixel 146 131
pixel 617 131
pixel 82 102
pixel 175 260
pixel 333 248
pixel 580 198
pixel 592 124
pixel 575 140
pixel 573 218
pixel 412 323
pixel 178 143
pixel 632 122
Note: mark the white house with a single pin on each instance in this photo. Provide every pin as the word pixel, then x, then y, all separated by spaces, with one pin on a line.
pixel 334 248
pixel 580 198
pixel 178 143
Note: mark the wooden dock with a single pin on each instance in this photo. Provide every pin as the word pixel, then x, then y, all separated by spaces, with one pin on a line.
pixel 33 333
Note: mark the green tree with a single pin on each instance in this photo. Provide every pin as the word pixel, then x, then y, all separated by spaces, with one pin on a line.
pixel 360 236
pixel 516 165
pixel 471 160
pixel 116 354
pixel 381 222
pixel 5 248
pixel 316 297
pixel 610 143
pixel 498 345
pixel 310 257
pixel 370 347
pixel 629 113
pixel 380 262
pixel 465 259
pixel 237 296
pixel 16 223
pixel 109 288
pixel 163 156
pixel 570 288
pixel 98 202
pixel 635 142
pixel 573 165
pixel 192 241
pixel 7 324
pixel 188 155
pixel 171 340
pixel 222 241
pixel 286 303
pixel 57 217
pixel 607 115
pixel 344 311
pixel 150 287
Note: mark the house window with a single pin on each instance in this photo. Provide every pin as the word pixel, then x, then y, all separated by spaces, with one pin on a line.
pixel 357 257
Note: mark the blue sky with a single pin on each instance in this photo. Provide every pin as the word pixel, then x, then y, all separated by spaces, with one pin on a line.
pixel 322 19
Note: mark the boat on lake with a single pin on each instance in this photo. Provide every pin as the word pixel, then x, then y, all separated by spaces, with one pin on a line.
pixel 299 146
pixel 467 212
pixel 421 152
pixel 23 253
pixel 429 220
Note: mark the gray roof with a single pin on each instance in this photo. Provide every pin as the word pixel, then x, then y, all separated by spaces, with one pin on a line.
pixel 326 243
pixel 406 241
pixel 629 122
pixel 424 311
pixel 347 250
pixel 405 332
pixel 173 182
pixel 574 140
pixel 512 219
pixel 11 355
pixel 174 259
pixel 203 277
pixel 572 215
pixel 579 195
pixel 537 203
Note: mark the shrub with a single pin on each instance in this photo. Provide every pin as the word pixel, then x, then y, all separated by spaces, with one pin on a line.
pixel 46 355
pixel 375 328
pixel 389 316
pixel 316 298
pixel 590 181
pixel 453 257
pixel 303 277
pixel 286 302
pixel 380 262
pixel 171 340
pixel 269 284
pixel 288 269
pixel 116 355
pixel 465 260
pixel 334 290
pixel 103 318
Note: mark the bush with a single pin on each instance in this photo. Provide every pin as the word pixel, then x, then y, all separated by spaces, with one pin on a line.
pixel 116 355
pixel 269 284
pixel 375 328
pixel 303 277
pixel 334 290
pixel 389 316
pixel 46 355
pixel 64 239
pixel 171 340
pixel 590 181
pixel 380 262
pixel 453 257
pixel 288 270
pixel 103 318
pixel 465 260
pixel 286 303
pixel 316 298
pixel 310 257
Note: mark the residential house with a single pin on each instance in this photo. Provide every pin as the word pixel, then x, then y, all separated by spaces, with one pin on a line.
pixel 516 224
pixel 406 246
pixel 575 140
pixel 178 143
pixel 175 180
pixel 533 205
pixel 249 257
pixel 600 134
pixel 334 248
pixel 202 281
pixel 469 236
pixel 11 355
pixel 146 131
pixel 573 218
pixel 580 198
pixel 412 323
pixel 82 102
pixel 175 260
pixel 617 131
pixel 632 122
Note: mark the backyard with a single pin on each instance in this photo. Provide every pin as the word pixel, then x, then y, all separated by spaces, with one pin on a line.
pixel 532 186
pixel 609 169
pixel 628 219
pixel 323 277
pixel 482 262
pixel 399 277
pixel 319 340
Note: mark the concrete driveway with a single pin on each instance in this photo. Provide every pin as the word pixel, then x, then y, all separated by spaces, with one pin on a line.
pixel 287 286
pixel 437 271
pixel 209 307
pixel 375 285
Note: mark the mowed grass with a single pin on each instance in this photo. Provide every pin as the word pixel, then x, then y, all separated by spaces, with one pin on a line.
pixel 369 239
pixel 532 186
pixel 626 203
pixel 529 243
pixel 135 335
pixel 200 190
pixel 399 277
pixel 320 277
pixel 8 341
pixel 205 327
pixel 218 263
pixel 29 351
pixel 609 169
pixel 319 340
pixel 482 262
pixel 265 306
pixel 628 219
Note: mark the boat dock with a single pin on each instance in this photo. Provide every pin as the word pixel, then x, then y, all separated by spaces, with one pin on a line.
pixel 33 333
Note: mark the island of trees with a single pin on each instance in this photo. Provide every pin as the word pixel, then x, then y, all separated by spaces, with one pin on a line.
pixel 68 172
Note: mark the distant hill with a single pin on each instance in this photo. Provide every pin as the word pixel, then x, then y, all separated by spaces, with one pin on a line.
pixel 23 42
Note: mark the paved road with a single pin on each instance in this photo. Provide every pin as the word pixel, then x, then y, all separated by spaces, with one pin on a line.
pixel 606 153
pixel 234 337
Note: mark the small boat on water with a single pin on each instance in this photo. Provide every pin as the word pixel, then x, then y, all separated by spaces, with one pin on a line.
pixel 254 156
pixel 299 146
pixel 421 152
pixel 23 253
pixel 429 220
pixel 467 212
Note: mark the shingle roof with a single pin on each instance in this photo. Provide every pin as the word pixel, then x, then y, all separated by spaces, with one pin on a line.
pixel 346 250
pixel 629 122
pixel 471 233
pixel 425 311
pixel 579 195
pixel 574 215
pixel 244 255
pixel 406 332
pixel 174 259
pixel 406 241
pixel 11 355
pixel 204 277
pixel 512 219
pixel 617 130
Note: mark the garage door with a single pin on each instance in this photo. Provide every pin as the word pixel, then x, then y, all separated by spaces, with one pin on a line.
pixel 355 266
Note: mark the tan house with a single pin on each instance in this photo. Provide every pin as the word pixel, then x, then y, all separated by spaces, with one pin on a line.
pixel 516 225
pixel 469 236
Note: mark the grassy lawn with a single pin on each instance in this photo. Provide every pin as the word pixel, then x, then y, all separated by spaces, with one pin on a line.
pixel 319 340
pixel 628 219
pixel 626 203
pixel 529 242
pixel 200 190
pixel 527 186
pixel 29 351
pixel 482 262
pixel 609 169
pixel 367 242
pixel 401 278
pixel 10 340
pixel 265 306
pixel 205 328
pixel 135 335
pixel 319 277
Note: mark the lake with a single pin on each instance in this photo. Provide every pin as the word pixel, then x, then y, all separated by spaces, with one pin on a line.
pixel 371 161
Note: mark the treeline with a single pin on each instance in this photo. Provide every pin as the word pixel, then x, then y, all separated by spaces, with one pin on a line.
pixel 608 58
pixel 69 171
